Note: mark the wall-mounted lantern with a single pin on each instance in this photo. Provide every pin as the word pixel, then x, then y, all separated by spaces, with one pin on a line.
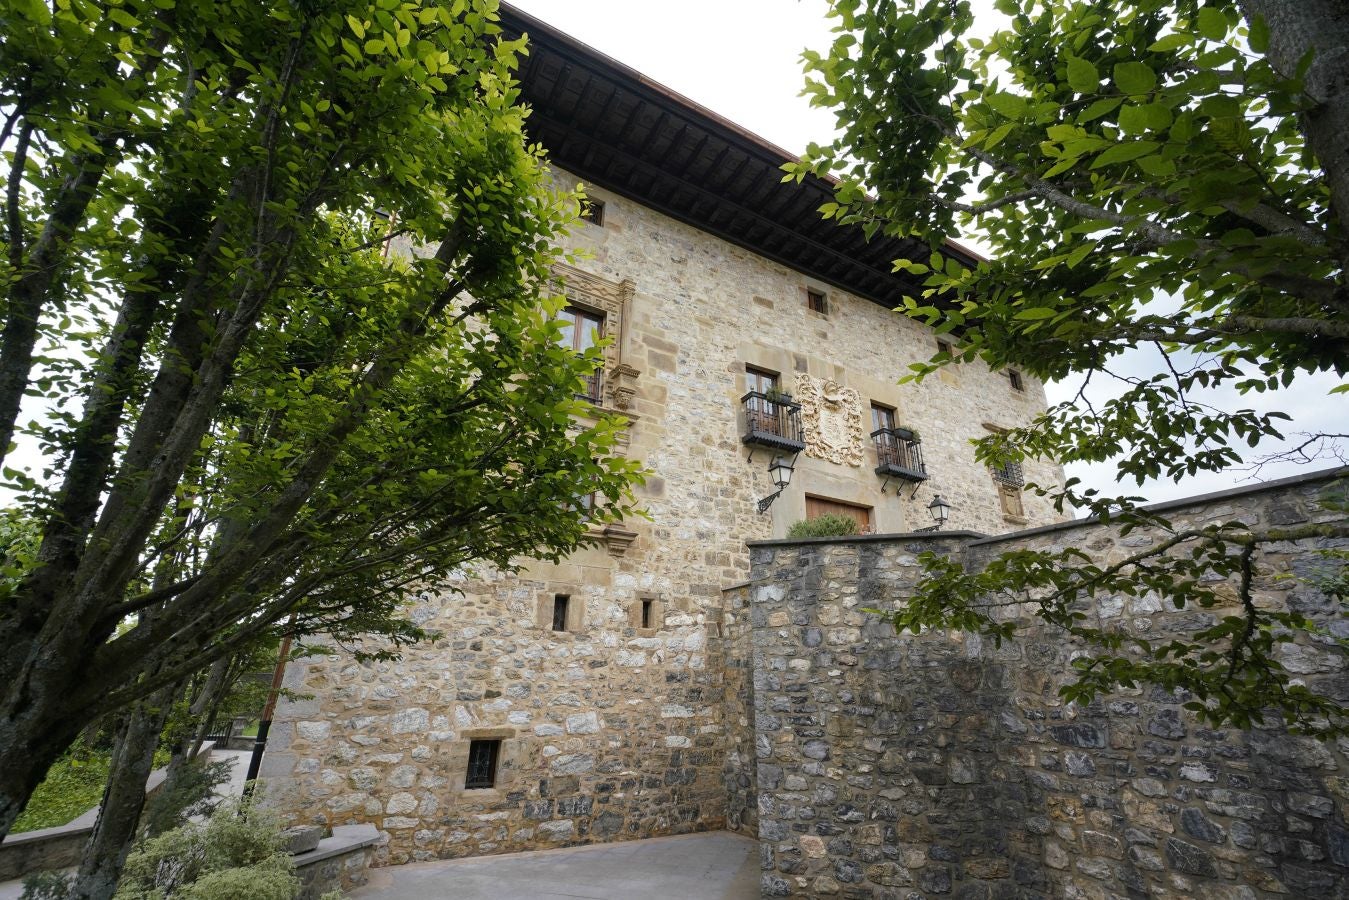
pixel 940 510
pixel 780 470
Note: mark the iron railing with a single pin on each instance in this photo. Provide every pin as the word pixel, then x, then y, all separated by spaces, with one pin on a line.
pixel 899 454
pixel 773 420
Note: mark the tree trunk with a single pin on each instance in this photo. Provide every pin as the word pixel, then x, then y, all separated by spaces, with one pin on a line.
pixel 123 799
pixel 1322 27
pixel 37 728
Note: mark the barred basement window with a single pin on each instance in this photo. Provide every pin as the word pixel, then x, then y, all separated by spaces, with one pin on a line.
pixel 482 764
pixel 560 602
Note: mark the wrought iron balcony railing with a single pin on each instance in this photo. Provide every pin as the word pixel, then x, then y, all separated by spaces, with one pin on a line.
pixel 899 454
pixel 773 420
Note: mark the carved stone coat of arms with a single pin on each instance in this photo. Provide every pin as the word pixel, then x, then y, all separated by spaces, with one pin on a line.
pixel 831 416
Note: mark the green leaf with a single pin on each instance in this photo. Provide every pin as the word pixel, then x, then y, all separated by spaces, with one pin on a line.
pixel 1082 75
pixel 1124 153
pixel 1173 41
pixel 1212 24
pixel 1098 109
pixel 1259 35
pixel 1134 78
pixel 1009 105
pixel 1036 313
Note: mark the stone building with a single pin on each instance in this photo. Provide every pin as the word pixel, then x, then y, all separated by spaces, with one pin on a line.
pixel 585 701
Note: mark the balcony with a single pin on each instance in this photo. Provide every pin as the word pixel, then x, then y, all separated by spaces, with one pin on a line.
pixel 774 421
pixel 899 454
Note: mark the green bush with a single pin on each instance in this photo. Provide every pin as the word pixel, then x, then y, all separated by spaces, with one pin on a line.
pixel 237 854
pixel 74 784
pixel 47 886
pixel 823 526
pixel 191 794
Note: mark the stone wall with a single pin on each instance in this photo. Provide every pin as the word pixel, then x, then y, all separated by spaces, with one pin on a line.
pixel 934 765
pixel 740 760
pixel 609 730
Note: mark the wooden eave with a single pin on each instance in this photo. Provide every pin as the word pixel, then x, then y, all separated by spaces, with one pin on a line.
pixel 612 127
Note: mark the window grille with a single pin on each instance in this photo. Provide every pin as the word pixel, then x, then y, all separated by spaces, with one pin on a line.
pixel 482 764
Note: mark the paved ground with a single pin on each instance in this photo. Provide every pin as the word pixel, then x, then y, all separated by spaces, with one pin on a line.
pixel 714 866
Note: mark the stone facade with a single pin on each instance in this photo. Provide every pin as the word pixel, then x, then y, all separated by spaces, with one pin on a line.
pixel 938 765
pixel 610 730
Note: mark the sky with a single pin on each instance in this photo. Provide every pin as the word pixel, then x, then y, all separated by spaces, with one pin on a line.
pixel 741 59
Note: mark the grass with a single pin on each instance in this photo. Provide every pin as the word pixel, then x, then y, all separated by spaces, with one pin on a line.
pixel 73 786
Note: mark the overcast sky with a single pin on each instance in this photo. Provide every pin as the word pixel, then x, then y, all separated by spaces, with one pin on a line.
pixel 741 58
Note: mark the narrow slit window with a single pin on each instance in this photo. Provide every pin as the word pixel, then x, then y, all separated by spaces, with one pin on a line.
pixel 945 347
pixel 646 613
pixel 1014 377
pixel 482 764
pixel 560 603
pixel 816 301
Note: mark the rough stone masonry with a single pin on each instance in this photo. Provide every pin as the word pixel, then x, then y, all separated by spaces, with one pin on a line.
pixel 938 765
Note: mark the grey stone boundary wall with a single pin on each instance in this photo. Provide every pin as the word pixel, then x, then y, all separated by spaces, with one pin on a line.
pixel 62 845
pixel 340 862
pixel 939 765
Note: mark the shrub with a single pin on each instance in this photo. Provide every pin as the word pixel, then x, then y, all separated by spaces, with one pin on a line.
pixel 238 853
pixel 190 794
pixel 47 886
pixel 823 526
pixel 72 786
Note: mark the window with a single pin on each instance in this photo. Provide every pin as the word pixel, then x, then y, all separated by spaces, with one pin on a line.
pixel 760 380
pixel 945 347
pixel 1014 377
pixel 581 330
pixel 816 301
pixel 882 417
pixel 482 764
pixel 560 604
pixel 592 211
pixel 647 610
pixel 821 506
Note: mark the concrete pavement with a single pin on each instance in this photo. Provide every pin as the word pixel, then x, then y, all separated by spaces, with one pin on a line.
pixel 711 866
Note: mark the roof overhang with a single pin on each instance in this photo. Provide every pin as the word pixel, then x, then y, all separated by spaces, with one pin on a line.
pixel 614 128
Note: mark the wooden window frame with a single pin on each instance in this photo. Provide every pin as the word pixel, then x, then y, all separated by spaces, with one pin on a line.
pixel 879 422
pixel 754 373
pixel 817 301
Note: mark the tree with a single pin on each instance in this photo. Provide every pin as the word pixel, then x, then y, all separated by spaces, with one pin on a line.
pixel 1166 173
pixel 254 415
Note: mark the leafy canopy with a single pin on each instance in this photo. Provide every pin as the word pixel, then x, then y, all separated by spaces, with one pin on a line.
pixel 249 412
pixel 1163 174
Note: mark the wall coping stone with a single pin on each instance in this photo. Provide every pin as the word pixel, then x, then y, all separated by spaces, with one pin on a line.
pixel 978 539
pixel 872 538
pixel 345 838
